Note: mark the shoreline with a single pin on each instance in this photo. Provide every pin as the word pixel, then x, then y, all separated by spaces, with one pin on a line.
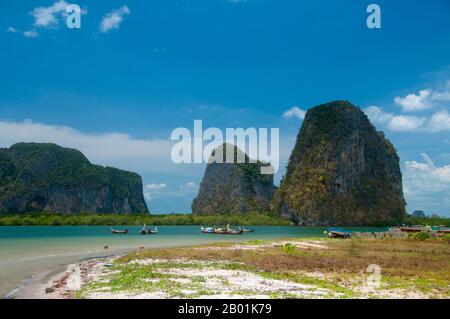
pixel 35 285
pixel 281 268
pixel 27 250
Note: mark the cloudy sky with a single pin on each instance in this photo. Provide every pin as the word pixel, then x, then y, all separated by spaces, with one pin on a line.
pixel 136 70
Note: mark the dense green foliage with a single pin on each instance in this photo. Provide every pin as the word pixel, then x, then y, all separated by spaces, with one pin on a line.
pixel 341 172
pixel 422 236
pixel 37 177
pixel 233 187
pixel 42 219
pixel 36 219
pixel 429 220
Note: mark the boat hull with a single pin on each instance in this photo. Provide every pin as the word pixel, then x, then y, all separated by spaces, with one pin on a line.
pixel 119 232
pixel 335 234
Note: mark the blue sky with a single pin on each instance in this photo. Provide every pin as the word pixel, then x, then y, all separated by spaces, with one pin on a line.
pixel 136 70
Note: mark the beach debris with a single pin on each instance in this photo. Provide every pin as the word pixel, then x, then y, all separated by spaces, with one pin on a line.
pixel 49 290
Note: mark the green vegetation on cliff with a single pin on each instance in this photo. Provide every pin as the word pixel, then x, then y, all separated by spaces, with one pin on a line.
pixel 341 172
pixel 232 187
pixel 51 178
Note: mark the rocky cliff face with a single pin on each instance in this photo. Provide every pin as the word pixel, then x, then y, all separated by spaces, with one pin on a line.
pixel 50 178
pixel 341 172
pixel 233 187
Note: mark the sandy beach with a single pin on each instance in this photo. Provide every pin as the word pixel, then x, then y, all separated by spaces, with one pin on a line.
pixel 26 252
pixel 226 271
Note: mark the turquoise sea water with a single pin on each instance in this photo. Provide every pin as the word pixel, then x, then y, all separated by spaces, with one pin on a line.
pixel 25 251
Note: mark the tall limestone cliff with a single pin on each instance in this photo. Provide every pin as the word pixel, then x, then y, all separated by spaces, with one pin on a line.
pixel 233 187
pixel 50 178
pixel 341 172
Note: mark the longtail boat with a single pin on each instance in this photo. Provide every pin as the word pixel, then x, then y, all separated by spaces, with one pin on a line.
pixel 207 230
pixel 414 229
pixel 116 231
pixel 444 230
pixel 337 233
pixel 146 231
pixel 228 231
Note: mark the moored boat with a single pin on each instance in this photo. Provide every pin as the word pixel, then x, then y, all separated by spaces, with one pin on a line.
pixel 228 231
pixel 443 230
pixel 238 231
pixel 414 229
pixel 147 231
pixel 117 231
pixel 338 233
pixel 222 230
pixel 207 230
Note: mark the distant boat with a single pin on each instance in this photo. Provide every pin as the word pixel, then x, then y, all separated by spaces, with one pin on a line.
pixel 146 231
pixel 228 231
pixel 443 230
pixel 207 230
pixel 415 229
pixel 338 233
pixel 116 231
pixel 222 230
pixel 247 230
pixel 238 231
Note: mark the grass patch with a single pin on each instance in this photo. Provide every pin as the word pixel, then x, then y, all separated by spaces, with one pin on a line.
pixel 406 263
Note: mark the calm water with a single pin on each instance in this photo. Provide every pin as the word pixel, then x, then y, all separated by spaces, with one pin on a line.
pixel 25 251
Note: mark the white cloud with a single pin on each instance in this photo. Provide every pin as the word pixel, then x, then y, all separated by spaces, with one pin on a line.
pixel 294 111
pixel 394 122
pixel 28 34
pixel 439 121
pixel 47 17
pixel 377 115
pixel 31 34
pixel 155 186
pixel 441 96
pixel 406 123
pixel 413 102
pixel 162 190
pixel 424 100
pixel 426 177
pixel 112 149
pixel 154 190
pixel 113 19
pixel 189 187
pixel 426 186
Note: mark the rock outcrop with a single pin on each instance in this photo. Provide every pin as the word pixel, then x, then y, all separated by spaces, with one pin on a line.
pixel 341 172
pixel 50 178
pixel 233 187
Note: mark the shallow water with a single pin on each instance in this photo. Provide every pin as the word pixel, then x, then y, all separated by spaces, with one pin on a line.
pixel 25 251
